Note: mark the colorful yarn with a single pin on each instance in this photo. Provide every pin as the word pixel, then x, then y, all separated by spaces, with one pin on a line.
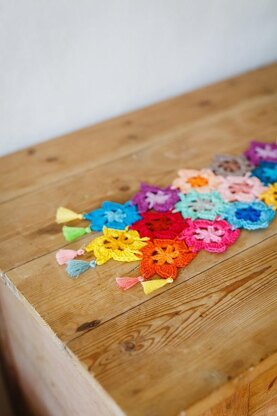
pixel 266 172
pixel 226 165
pixel 72 233
pixel 66 215
pixel 213 236
pixel 126 283
pixel 261 152
pixel 152 285
pixel 269 197
pixel 195 205
pixel 63 256
pixel 118 245
pixel 156 198
pixel 202 181
pixel 113 215
pixel 164 257
pixel 77 267
pixel 160 225
pixel 251 215
pixel 241 188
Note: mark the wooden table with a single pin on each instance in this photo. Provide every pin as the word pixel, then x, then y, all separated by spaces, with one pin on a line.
pixel 203 346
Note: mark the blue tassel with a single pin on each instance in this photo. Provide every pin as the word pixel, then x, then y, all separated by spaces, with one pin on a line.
pixel 77 267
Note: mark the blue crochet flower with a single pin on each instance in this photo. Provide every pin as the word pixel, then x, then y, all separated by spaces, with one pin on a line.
pixel 113 215
pixel 266 172
pixel 195 205
pixel 248 215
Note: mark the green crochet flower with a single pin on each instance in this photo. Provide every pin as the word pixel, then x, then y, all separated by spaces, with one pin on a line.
pixel 195 205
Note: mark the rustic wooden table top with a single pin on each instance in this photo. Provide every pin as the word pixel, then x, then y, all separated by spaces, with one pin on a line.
pixel 179 348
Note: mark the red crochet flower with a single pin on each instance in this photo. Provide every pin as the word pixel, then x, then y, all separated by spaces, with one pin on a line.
pixel 213 236
pixel 163 257
pixel 160 225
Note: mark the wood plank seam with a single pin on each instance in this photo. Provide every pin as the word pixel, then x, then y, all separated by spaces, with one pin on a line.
pixel 162 138
pixel 168 288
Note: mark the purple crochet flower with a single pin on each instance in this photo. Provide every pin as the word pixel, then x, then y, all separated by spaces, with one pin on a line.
pixel 261 152
pixel 156 198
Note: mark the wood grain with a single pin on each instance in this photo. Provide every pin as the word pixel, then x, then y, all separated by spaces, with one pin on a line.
pixel 185 340
pixel 37 166
pixel 197 346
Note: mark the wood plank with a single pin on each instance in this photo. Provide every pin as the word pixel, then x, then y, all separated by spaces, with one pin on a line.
pixel 29 220
pixel 263 394
pixel 36 167
pixel 177 348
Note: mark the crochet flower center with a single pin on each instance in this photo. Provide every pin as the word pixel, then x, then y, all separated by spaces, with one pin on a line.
pixel 230 165
pixel 201 205
pixel 153 198
pixel 250 214
pixel 164 254
pixel 211 234
pixel 159 224
pixel 243 187
pixel 197 181
pixel 119 242
pixel 266 152
pixel 117 216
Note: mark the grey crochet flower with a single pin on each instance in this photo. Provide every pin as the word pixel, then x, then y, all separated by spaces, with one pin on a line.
pixel 227 165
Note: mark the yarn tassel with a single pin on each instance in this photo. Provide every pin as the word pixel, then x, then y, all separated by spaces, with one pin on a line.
pixel 77 267
pixel 72 233
pixel 151 285
pixel 65 215
pixel 126 283
pixel 63 256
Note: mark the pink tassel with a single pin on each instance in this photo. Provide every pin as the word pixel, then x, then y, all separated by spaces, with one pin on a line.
pixel 63 256
pixel 126 283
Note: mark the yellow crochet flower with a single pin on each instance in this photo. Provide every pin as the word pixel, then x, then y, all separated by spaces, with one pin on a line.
pixel 270 196
pixel 120 245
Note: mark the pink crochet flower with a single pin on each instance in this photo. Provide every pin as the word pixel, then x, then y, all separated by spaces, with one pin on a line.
pixel 213 236
pixel 241 188
pixel 202 181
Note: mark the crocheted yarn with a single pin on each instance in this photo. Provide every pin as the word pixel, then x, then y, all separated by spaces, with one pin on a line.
pixel 154 197
pixel 195 205
pixel 251 215
pixel 270 196
pixel 202 181
pixel 259 152
pixel 164 257
pixel 160 225
pixel 118 245
pixel 113 215
pixel 213 236
pixel 240 188
pixel 226 165
pixel 266 172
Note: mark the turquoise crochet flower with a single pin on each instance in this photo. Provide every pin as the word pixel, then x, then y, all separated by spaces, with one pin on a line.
pixel 194 205
pixel 113 215
pixel 266 172
pixel 248 215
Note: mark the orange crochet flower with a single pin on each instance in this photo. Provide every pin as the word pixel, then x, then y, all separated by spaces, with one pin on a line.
pixel 163 257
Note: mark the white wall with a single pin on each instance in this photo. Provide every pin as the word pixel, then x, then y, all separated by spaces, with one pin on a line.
pixel 65 64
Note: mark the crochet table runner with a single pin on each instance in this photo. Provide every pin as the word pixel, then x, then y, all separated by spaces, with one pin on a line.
pixel 165 228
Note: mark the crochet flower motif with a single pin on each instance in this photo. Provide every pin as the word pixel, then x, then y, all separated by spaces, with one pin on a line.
pixel 240 188
pixel 213 236
pixel 160 225
pixel 266 172
pixel 259 152
pixel 251 216
pixel 153 197
pixel 113 215
pixel 269 197
pixel 202 181
pixel 195 205
pixel 164 257
pixel 226 165
pixel 118 245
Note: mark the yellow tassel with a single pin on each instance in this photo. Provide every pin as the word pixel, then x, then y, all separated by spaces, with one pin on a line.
pixel 66 215
pixel 151 285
